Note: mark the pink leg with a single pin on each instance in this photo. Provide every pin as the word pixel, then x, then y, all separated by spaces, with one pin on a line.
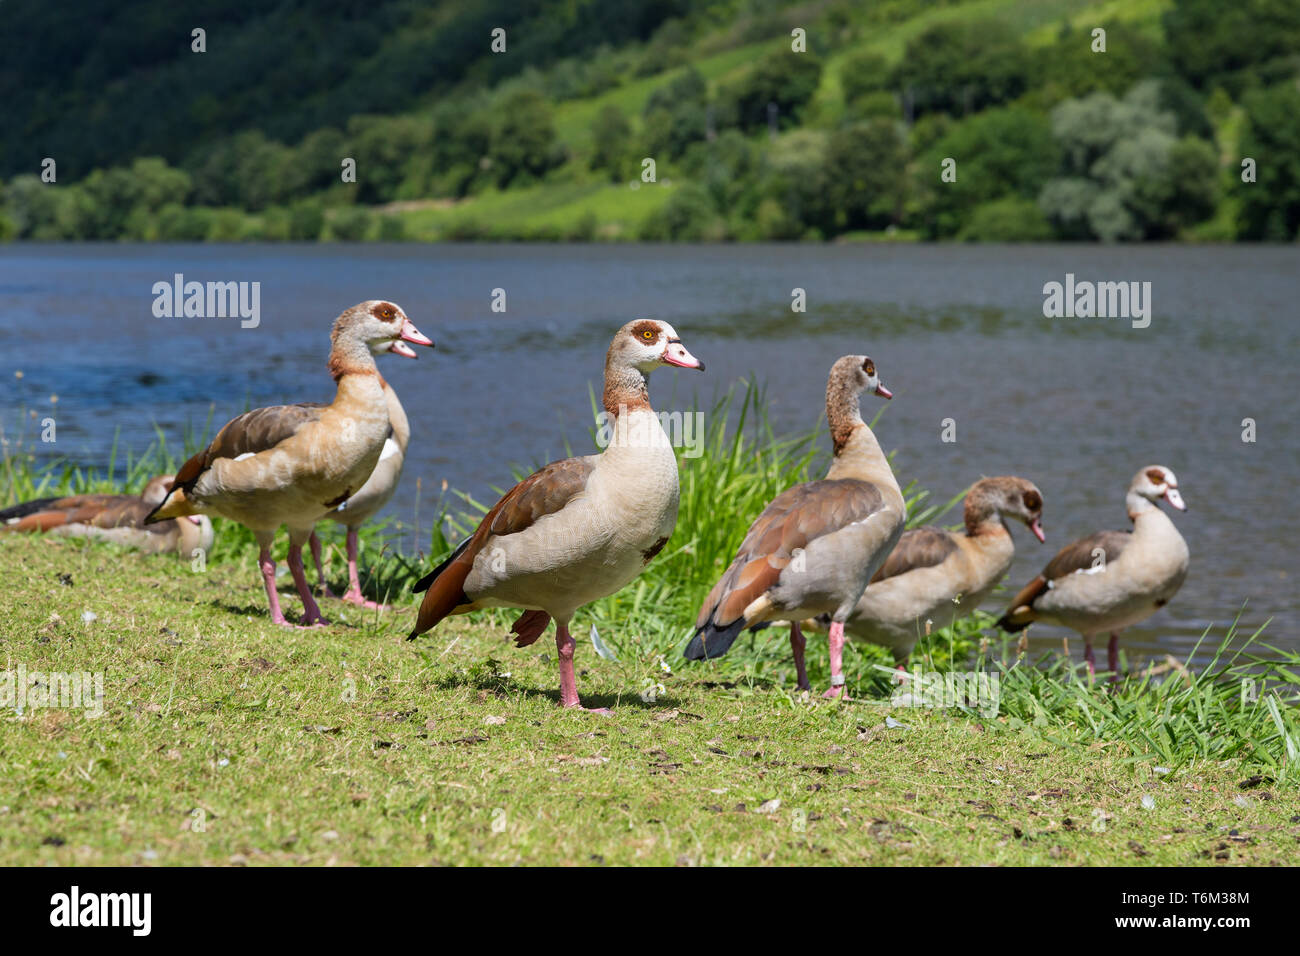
pixel 797 644
pixel 565 645
pixel 837 661
pixel 354 595
pixel 1088 657
pixel 314 541
pixel 311 614
pixel 267 565
pixel 1112 655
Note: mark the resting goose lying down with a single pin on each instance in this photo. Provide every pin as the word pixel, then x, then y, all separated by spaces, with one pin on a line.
pixel 370 500
pixel 291 464
pixel 814 548
pixel 1112 579
pixel 578 529
pixel 930 568
pixel 116 518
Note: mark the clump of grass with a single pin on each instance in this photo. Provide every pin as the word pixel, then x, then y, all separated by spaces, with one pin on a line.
pixel 1239 706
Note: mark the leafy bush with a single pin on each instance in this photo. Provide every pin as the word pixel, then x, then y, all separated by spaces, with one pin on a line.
pixel 350 223
pixel 1011 219
pixel 688 214
pixel 306 220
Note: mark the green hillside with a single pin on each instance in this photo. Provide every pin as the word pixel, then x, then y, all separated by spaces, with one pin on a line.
pixel 652 119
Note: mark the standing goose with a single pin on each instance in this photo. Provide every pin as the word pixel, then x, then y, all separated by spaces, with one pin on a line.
pixel 578 529
pixel 291 464
pixel 1112 579
pixel 931 568
pixel 372 497
pixel 814 548
pixel 115 518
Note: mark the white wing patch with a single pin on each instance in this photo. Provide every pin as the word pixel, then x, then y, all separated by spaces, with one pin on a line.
pixel 390 449
pixel 247 454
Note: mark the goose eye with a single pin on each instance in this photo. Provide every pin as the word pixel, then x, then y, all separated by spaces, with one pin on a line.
pixel 648 335
pixel 869 367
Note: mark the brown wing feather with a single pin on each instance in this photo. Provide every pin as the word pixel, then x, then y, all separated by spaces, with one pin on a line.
pixel 919 548
pixel 1078 555
pixel 100 511
pixel 1075 556
pixel 544 492
pixel 795 518
pixel 249 433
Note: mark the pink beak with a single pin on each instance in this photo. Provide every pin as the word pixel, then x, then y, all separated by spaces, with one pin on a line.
pixel 409 334
pixel 1037 529
pixel 883 392
pixel 676 354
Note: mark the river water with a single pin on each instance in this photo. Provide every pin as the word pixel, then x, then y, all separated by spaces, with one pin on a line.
pixel 958 332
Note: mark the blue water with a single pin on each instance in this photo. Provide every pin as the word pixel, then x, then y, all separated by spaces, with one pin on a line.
pixel 958 332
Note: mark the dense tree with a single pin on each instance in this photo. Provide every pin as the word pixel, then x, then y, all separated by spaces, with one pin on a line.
pixel 1001 152
pixel 861 74
pixel 611 143
pixel 962 67
pixel 1235 44
pixel 106 82
pixel 1269 208
pixel 676 115
pixel 522 143
pixel 866 174
pixel 782 78
pixel 795 189
pixel 388 151
pixel 1126 175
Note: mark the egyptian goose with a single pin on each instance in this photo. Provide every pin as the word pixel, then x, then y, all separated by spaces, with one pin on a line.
pixel 1112 579
pixel 578 529
pixel 115 518
pixel 930 568
pixel 372 497
pixel 814 548
pixel 291 464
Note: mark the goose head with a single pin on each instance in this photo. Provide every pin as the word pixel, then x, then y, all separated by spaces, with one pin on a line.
pixel 1012 497
pixel 1156 482
pixel 380 326
pixel 648 344
pixel 155 492
pixel 855 374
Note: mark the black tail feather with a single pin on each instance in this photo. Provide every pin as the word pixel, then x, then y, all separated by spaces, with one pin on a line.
pixel 428 579
pixel 1006 624
pixel 711 641
pixel 15 512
